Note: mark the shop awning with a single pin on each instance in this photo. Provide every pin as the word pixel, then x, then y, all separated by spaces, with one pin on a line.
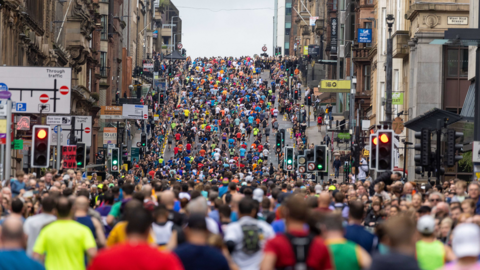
pixel 175 55
pixel 468 109
pixel 429 119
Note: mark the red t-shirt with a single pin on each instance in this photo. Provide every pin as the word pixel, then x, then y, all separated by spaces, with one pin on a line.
pixel 208 128
pixel 318 256
pixel 177 136
pixel 239 135
pixel 175 150
pixel 152 173
pixel 129 256
pixel 260 148
pixel 188 146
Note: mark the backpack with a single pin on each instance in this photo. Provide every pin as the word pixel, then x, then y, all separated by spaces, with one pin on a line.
pixel 251 239
pixel 301 248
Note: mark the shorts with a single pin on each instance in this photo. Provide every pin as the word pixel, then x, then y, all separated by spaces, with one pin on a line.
pixel 188 152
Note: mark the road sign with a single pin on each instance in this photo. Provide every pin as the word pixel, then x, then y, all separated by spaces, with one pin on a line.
pixel 264 48
pixel 23 123
pixel 34 86
pixel 301 169
pixel 134 111
pixel 111 112
pixel 114 168
pixel 179 46
pixel 311 166
pixel 397 125
pixel 59 120
pixel 289 167
pixel 366 152
pixel 83 131
pixel 298 43
pixel 43 98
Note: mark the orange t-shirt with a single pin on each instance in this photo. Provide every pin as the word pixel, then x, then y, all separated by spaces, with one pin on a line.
pixel 202 152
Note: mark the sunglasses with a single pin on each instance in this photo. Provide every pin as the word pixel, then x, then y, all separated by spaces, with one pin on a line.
pixel 435 200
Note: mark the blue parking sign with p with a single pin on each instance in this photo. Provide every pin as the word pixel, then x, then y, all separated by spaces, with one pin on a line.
pixel 21 107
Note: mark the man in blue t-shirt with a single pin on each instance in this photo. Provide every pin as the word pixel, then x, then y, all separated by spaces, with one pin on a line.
pixel 355 232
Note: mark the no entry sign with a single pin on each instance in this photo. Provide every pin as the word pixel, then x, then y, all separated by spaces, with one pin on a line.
pixel 64 90
pixel 179 45
pixel 301 169
pixel 44 98
pixel 311 166
pixel 264 48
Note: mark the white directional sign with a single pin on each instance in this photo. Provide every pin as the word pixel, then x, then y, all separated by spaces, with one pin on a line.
pixel 83 131
pixel 59 120
pixel 38 89
pixel 138 112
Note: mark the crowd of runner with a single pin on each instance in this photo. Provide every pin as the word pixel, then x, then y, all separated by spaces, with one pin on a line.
pixel 222 200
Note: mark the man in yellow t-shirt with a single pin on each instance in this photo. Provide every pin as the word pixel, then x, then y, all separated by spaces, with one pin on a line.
pixel 63 243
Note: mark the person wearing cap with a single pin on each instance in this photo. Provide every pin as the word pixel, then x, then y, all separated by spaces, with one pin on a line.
pixel 466 247
pixel 431 253
pixel 196 253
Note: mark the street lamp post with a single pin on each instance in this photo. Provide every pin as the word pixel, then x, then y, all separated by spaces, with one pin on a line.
pixel 173 44
pixel 390 20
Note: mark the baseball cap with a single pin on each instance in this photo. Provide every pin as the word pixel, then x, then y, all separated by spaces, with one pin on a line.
pixel 197 222
pixel 258 194
pixel 426 225
pixel 111 185
pixel 332 187
pixel 465 241
pixel 318 189
pixel 100 185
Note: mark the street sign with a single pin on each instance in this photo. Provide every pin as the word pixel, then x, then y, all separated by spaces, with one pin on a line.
pixel 83 131
pixel 59 120
pixel 365 35
pixel 289 167
pixel 298 42
pixel 23 123
pixel 135 111
pixel 17 144
pixel 301 169
pixel 366 152
pixel 111 112
pixel 335 86
pixel 179 46
pixel 35 89
pixel 264 48
pixel 69 156
pixel 397 125
pixel 311 166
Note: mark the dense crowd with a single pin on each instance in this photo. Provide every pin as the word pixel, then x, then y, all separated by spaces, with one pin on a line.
pixel 219 202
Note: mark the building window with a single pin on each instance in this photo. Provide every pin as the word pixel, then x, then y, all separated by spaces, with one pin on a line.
pixel 288 8
pixel 287 52
pixel 104 33
pixel 342 4
pixel 398 18
pixel 34 9
pixel 457 63
pixel 342 31
pixel 384 31
pixel 288 25
pixel 368 25
pixel 366 78
pixel 103 64
pixel 287 31
pixel 287 45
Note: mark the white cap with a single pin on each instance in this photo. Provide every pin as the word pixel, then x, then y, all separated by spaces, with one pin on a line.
pixel 318 189
pixel 466 240
pixel 258 194
pixel 426 224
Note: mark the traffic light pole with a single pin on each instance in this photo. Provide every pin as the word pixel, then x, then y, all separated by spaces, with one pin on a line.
pixel 59 147
pixel 437 152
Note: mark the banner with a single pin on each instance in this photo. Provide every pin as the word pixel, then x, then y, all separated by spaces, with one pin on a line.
pixel 69 157
pixel 110 135
pixel 365 35
pixel 335 86
pixel 333 43
pixel 111 112
pixel 134 154
pixel 305 50
pixel 397 98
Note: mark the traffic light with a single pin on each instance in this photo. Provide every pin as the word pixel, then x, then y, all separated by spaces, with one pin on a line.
pixel 309 99
pixel 144 140
pixel 423 159
pixel 295 94
pixel 80 156
pixel 184 52
pixel 310 157
pixel 139 91
pixel 282 131
pixel 289 158
pixel 373 151
pixel 278 141
pixel 170 69
pixel 124 153
pixel 321 158
pixel 115 160
pixel 87 155
pixel 40 155
pixel 301 162
pixel 385 151
pixel 452 148
pixel 161 98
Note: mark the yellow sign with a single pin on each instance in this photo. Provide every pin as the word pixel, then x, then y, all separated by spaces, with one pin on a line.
pixel 366 153
pixel 3 126
pixel 305 50
pixel 125 167
pixel 335 86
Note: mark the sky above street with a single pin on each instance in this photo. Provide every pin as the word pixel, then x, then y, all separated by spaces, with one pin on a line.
pixel 240 28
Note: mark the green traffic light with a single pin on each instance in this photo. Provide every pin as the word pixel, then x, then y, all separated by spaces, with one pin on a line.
pixel 320 166
pixel 278 144
pixel 115 162
pixel 289 161
pixel 79 163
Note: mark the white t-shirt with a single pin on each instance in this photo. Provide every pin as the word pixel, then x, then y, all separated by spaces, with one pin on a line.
pixel 32 227
pixel 216 156
pixel 234 233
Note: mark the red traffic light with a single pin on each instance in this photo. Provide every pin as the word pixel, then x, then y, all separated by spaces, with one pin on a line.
pixel 384 138
pixel 41 134
pixel 375 141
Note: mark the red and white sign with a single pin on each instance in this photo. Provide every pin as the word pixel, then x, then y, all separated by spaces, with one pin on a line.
pixel 301 169
pixel 69 156
pixel 298 42
pixel 311 166
pixel 44 98
pixel 114 168
pixel 179 45
pixel 87 130
pixel 64 90
pixel 145 116
pixel 264 48
pixel 289 167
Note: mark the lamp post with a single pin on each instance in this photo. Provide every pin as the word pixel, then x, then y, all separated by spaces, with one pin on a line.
pixel 390 20
pixel 173 44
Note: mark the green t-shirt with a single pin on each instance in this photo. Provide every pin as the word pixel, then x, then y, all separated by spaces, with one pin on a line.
pixel 64 243
pixel 174 125
pixel 115 210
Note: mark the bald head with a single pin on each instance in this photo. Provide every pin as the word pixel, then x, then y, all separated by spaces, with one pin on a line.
pixel 168 198
pixel 81 203
pixel 12 231
pixel 324 199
